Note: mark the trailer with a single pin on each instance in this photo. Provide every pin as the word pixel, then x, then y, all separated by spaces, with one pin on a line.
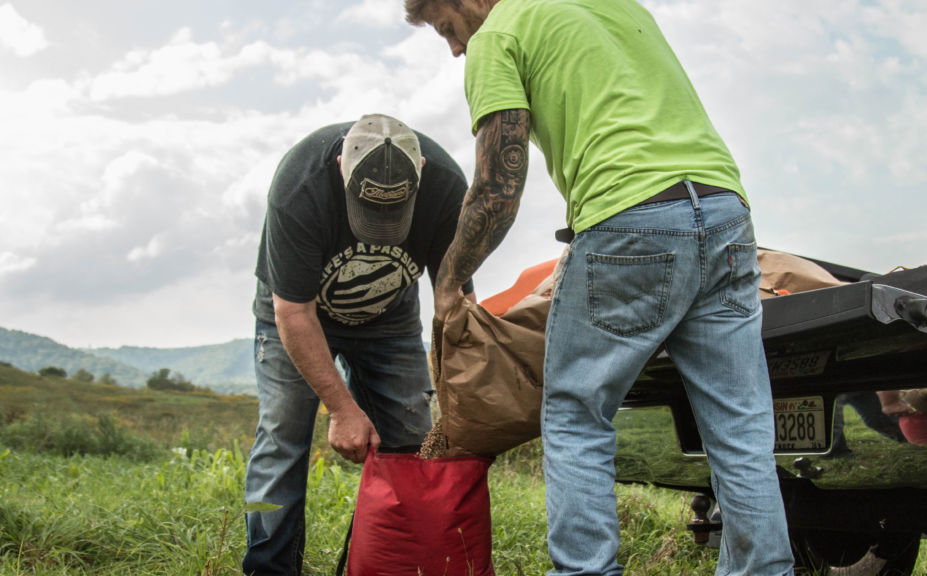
pixel 853 479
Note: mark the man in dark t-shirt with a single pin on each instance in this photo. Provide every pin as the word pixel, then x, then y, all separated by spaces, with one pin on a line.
pixel 355 214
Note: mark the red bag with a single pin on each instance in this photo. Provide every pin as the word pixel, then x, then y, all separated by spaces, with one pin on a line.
pixel 418 517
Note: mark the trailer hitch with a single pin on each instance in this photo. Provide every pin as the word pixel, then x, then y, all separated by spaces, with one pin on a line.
pixel 707 524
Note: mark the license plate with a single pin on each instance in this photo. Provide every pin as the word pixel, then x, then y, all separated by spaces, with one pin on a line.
pixel 800 424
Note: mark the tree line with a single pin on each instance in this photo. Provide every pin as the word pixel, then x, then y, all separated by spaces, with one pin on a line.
pixel 161 379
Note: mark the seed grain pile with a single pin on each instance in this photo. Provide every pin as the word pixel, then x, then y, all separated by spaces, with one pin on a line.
pixel 435 443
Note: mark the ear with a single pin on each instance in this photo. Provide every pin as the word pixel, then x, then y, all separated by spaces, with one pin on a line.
pixel 423 161
pixel 340 167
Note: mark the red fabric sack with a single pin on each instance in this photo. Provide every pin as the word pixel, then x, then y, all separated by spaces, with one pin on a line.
pixel 418 517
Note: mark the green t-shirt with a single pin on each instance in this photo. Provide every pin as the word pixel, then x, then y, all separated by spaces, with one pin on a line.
pixel 611 107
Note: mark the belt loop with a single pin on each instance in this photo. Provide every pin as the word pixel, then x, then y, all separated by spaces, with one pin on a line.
pixel 693 195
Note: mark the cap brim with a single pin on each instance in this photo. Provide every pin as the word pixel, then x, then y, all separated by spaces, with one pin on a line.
pixel 385 226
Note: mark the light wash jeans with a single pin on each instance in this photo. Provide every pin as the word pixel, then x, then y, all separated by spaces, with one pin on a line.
pixel 685 273
pixel 388 378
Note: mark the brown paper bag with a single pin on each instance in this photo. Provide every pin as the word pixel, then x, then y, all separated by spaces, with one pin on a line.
pixel 488 372
pixel 787 274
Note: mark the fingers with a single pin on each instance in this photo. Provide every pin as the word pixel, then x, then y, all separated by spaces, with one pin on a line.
pixel 352 453
pixel 351 437
pixel 374 439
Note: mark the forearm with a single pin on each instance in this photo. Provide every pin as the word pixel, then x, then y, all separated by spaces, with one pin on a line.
pixel 492 201
pixel 307 347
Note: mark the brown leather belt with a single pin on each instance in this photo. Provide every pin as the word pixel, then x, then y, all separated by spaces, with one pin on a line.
pixel 678 191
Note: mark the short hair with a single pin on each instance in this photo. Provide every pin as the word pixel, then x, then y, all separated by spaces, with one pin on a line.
pixel 415 9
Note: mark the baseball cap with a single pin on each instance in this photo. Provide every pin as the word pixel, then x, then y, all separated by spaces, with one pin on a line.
pixel 382 164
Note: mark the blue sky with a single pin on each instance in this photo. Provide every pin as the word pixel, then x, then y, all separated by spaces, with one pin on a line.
pixel 138 141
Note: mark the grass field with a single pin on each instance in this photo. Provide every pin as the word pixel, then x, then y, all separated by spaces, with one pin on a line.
pixel 182 516
pixel 158 490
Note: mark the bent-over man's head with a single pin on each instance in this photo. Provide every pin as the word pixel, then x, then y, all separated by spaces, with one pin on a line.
pixel 381 162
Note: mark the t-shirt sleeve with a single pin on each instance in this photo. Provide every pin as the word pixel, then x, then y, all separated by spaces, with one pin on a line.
pixel 492 76
pixel 293 259
pixel 293 243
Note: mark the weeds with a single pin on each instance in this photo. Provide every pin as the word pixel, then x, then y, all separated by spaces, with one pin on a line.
pixel 77 499
pixel 75 435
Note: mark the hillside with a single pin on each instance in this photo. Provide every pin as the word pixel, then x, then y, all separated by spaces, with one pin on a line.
pixel 202 419
pixel 226 368
pixel 31 352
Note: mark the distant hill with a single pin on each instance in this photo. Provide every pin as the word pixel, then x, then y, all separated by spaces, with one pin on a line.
pixel 198 419
pixel 31 352
pixel 225 368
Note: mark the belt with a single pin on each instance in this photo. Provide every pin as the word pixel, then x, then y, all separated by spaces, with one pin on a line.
pixel 678 191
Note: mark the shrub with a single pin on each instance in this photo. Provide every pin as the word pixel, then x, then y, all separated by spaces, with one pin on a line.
pixel 107 379
pixel 74 435
pixel 53 372
pixel 164 380
pixel 83 376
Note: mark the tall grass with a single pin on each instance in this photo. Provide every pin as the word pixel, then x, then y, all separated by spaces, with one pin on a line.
pixel 73 434
pixel 101 494
pixel 183 516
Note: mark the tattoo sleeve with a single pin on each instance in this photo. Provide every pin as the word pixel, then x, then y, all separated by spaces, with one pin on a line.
pixel 491 203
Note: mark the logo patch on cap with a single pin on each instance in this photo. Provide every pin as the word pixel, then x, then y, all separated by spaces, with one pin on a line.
pixel 384 193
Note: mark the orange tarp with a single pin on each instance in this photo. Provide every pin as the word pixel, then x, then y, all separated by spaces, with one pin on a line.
pixel 528 280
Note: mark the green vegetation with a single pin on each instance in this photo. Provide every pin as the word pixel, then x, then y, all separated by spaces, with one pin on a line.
pixel 75 435
pixel 226 368
pixel 52 372
pixel 83 375
pixel 183 516
pixel 30 352
pixel 156 488
pixel 164 380
pixel 196 420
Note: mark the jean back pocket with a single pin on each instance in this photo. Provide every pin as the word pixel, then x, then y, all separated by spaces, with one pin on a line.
pixel 628 294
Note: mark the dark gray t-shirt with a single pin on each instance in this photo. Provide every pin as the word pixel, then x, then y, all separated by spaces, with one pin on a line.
pixel 308 252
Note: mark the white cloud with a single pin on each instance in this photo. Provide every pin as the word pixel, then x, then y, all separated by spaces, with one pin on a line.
pixel 19 35
pixel 179 66
pixel 153 249
pixel 903 21
pixel 208 308
pixel 10 262
pixel 146 182
pixel 374 14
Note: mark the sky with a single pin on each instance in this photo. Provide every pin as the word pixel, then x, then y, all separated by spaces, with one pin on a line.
pixel 138 140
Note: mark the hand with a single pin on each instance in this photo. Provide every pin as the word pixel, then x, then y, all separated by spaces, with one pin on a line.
pixel 445 298
pixel 350 433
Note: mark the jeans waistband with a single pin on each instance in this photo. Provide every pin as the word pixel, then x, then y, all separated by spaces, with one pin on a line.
pixel 678 191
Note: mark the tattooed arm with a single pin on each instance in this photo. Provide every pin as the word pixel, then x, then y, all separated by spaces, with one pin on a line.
pixel 491 203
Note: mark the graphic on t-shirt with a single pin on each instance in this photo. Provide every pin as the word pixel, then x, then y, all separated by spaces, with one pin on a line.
pixel 360 282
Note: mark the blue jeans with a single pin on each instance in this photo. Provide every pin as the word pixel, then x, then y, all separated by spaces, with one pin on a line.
pixel 388 378
pixel 682 272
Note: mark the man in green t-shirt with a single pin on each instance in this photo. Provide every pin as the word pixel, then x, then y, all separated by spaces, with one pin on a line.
pixel 662 252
